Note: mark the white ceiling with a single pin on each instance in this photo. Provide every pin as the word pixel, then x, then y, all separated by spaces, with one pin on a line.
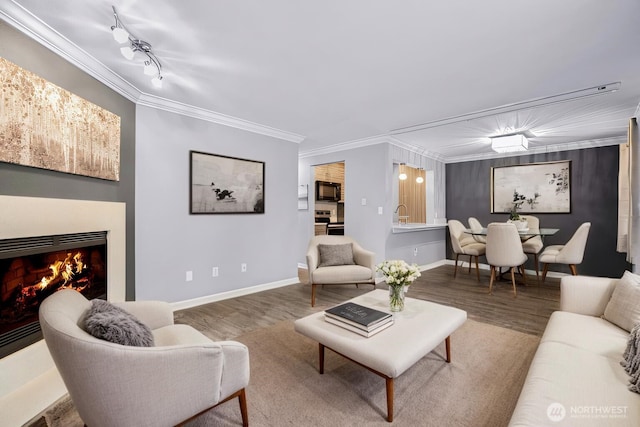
pixel 335 73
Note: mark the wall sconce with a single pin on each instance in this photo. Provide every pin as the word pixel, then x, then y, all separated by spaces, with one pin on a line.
pixel 509 143
pixel 152 66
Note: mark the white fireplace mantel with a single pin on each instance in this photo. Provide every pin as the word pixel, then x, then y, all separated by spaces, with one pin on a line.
pixel 29 381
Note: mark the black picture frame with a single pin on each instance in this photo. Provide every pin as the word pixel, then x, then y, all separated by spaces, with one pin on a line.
pixel 539 188
pixel 221 184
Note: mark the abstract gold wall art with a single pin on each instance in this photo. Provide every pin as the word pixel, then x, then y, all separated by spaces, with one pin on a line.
pixel 47 127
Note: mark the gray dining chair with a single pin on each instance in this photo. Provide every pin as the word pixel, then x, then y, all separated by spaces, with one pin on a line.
pixel 504 249
pixel 533 245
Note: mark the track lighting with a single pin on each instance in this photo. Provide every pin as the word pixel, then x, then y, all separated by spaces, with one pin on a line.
pixel 152 65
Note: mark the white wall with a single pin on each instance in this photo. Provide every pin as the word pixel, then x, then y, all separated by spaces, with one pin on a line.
pixel 369 175
pixel 170 241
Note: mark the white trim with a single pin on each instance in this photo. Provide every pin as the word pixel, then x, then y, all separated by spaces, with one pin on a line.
pixel 211 116
pixel 25 22
pixel 195 302
pixel 482 266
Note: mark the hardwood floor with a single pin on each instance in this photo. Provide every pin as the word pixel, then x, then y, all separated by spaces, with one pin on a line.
pixel 528 313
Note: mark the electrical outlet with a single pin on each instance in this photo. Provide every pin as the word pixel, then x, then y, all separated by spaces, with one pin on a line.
pixel 243 267
pixel 214 272
pixel 189 276
pixel 415 251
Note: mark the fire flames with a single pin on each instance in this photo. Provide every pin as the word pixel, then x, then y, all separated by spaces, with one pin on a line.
pixel 62 273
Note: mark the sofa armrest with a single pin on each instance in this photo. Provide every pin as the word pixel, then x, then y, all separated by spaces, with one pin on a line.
pixel 154 314
pixel 585 294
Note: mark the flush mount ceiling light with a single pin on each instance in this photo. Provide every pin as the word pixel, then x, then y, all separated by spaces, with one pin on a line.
pixel 509 143
pixel 122 35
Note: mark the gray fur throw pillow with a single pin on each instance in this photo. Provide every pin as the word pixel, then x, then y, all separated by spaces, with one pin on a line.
pixel 111 323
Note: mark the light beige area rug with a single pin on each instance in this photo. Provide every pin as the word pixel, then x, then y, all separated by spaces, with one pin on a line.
pixel 479 388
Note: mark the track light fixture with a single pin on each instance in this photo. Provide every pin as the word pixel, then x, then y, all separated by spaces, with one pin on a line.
pixel 122 35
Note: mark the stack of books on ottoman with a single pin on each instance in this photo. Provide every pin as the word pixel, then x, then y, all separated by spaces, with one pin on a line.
pixel 359 319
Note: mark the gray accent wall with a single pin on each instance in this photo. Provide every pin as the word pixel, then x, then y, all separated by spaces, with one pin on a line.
pixel 16 180
pixel 170 241
pixel 594 198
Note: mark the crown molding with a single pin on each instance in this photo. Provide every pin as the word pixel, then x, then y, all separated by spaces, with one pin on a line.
pixel 342 146
pixel 578 145
pixel 171 106
pixel 25 22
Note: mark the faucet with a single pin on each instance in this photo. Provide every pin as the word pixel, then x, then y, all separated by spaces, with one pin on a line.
pixel 401 218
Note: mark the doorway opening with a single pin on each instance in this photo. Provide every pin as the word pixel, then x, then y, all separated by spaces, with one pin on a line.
pixel 329 203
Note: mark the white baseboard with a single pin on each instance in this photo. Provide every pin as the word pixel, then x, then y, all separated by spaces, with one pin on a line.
pixel 482 266
pixel 181 305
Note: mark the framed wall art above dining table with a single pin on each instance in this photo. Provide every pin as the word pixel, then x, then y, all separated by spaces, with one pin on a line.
pixel 532 188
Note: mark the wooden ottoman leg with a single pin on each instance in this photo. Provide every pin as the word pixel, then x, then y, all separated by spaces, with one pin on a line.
pixel 389 399
pixel 447 344
pixel 321 358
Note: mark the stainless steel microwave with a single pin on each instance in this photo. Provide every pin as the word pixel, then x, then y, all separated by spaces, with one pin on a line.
pixel 327 191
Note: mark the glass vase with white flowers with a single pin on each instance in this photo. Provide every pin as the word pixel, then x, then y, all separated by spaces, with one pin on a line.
pixel 398 275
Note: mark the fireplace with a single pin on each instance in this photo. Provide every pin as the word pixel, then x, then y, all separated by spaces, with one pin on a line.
pixel 33 268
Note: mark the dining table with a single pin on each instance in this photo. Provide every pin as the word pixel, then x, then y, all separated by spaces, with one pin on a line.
pixel 525 234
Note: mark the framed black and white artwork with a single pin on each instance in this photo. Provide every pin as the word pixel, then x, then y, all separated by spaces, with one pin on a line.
pixel 532 188
pixel 225 185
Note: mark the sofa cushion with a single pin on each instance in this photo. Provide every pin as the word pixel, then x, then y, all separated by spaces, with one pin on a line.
pixel 336 255
pixel 108 322
pixel 577 365
pixel 623 308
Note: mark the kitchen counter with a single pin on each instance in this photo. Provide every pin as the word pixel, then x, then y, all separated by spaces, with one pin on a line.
pixel 413 227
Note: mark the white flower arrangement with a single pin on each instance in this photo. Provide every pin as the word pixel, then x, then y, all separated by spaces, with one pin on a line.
pixel 398 273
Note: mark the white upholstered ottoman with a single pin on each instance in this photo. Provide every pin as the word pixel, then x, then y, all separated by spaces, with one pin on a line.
pixel 416 331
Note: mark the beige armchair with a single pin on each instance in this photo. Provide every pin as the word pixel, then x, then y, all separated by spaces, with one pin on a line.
pixel 464 244
pixel 183 375
pixel 504 249
pixel 571 253
pixel 337 267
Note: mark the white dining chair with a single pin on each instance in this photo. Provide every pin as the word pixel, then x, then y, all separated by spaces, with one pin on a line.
pixel 533 245
pixel 464 244
pixel 504 249
pixel 572 253
pixel 476 225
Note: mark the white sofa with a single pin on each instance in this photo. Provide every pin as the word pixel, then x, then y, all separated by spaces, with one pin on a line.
pixel 575 378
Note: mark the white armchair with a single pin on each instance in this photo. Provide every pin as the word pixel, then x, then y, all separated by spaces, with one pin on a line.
pixel 181 376
pixel 359 270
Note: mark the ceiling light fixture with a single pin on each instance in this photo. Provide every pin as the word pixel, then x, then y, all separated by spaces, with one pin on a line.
pixel 403 174
pixel 152 66
pixel 509 143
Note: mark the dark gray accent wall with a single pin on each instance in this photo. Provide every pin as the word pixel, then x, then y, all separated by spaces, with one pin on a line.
pixel 594 198
pixel 16 180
